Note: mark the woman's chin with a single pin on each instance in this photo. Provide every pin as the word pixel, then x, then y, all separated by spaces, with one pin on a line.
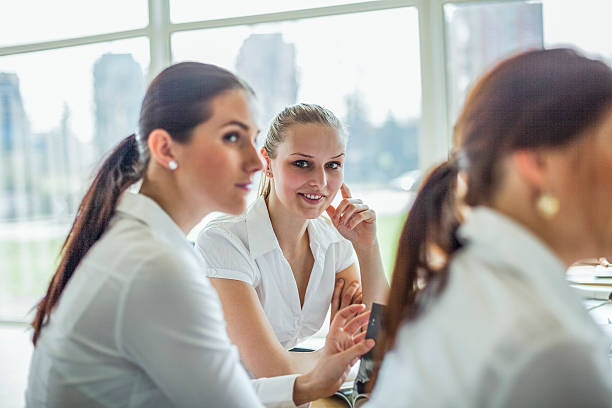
pixel 235 208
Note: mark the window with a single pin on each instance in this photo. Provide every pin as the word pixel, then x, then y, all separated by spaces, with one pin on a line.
pixel 30 21
pixel 51 142
pixel 480 34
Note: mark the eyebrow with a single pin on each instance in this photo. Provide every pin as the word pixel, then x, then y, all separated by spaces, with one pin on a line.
pixel 310 157
pixel 239 124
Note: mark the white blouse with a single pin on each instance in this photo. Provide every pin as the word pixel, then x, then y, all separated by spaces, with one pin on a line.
pixel 245 248
pixel 138 325
pixel 507 331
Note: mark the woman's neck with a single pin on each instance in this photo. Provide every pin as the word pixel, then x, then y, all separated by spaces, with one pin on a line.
pixel 185 213
pixel 560 234
pixel 290 230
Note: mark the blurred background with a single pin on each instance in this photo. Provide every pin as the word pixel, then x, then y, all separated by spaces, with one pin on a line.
pixel 73 74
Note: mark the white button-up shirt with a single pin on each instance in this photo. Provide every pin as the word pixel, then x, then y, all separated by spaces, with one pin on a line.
pixel 245 248
pixel 139 325
pixel 507 331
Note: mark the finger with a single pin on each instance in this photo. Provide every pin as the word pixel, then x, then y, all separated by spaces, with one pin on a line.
pixel 345 203
pixel 335 302
pixel 358 298
pixel 359 337
pixel 349 293
pixel 346 313
pixel 339 209
pixel 350 211
pixel 331 211
pixel 345 191
pixel 347 207
pixel 365 216
pixel 356 351
pixel 355 324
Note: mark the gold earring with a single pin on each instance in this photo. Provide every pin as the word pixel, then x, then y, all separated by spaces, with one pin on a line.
pixel 548 205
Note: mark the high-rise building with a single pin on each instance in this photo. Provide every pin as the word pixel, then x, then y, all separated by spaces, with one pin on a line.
pixel 267 63
pixel 15 177
pixel 480 35
pixel 119 86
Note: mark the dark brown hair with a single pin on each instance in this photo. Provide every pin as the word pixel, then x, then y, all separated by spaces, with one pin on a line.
pixel 543 98
pixel 177 100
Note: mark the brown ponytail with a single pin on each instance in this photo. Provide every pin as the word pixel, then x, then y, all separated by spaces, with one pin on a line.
pixel 120 170
pixel 177 100
pixel 426 244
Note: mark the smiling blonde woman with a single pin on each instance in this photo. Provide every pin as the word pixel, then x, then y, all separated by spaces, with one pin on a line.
pixel 276 266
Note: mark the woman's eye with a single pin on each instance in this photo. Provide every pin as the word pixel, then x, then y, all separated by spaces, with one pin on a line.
pixel 334 165
pixel 300 163
pixel 231 137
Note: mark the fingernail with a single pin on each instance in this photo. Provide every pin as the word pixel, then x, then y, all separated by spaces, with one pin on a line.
pixel 370 342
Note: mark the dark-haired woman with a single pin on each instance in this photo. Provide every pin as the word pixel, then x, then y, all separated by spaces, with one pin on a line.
pixel 129 318
pixel 480 314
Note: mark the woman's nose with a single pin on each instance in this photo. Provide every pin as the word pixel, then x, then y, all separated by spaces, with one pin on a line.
pixel 318 177
pixel 253 160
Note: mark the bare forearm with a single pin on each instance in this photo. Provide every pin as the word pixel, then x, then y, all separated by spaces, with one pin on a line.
pixel 302 362
pixel 373 280
pixel 289 362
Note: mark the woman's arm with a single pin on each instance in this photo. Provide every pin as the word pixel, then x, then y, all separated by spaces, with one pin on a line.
pixel 248 327
pixel 357 223
pixel 373 279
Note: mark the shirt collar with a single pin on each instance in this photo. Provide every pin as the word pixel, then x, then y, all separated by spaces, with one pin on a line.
pixel 506 241
pixel 260 233
pixel 146 210
pixel 261 236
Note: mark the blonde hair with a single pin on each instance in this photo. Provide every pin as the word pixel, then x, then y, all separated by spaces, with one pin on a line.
pixel 302 113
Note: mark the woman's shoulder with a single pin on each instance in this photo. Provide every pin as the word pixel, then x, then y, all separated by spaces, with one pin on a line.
pixel 226 222
pixel 224 229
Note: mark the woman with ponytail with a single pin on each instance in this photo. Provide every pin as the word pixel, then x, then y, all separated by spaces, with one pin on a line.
pixel 480 313
pixel 129 318
pixel 281 266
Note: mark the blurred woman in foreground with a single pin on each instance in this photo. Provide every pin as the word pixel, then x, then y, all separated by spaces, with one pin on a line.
pixel 480 314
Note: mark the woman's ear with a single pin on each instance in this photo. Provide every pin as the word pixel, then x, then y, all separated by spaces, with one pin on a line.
pixel 532 167
pixel 161 148
pixel 267 166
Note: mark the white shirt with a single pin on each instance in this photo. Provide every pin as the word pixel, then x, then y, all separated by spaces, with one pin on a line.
pixel 138 325
pixel 245 248
pixel 507 331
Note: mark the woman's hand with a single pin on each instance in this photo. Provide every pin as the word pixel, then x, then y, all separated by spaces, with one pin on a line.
pixel 347 329
pixel 344 295
pixel 342 350
pixel 354 220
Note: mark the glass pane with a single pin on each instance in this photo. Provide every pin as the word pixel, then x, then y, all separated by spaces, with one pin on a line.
pixel 55 125
pixel 369 78
pixel 479 35
pixel 27 21
pixel 580 24
pixel 189 10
